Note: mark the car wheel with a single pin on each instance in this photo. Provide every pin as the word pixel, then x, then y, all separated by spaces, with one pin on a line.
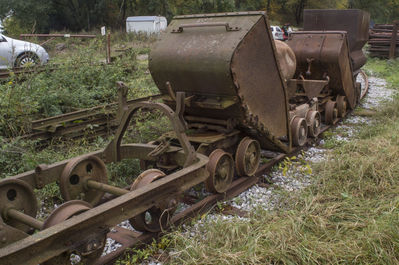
pixel 26 60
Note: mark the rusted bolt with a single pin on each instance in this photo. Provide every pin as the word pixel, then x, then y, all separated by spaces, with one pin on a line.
pixel 40 168
pixel 172 203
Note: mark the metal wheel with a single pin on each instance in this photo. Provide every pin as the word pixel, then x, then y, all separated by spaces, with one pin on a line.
pixel 313 119
pixel 247 157
pixel 330 112
pixel 90 250
pixel 221 171
pixel 26 60
pixel 299 131
pixel 157 217
pixel 341 106
pixel 76 173
pixel 18 195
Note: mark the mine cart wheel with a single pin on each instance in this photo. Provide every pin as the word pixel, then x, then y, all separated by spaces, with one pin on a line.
pixel 157 217
pixel 75 175
pixel 89 251
pixel 247 157
pixel 221 171
pixel 341 106
pixel 17 194
pixel 299 131
pixel 313 119
pixel 330 112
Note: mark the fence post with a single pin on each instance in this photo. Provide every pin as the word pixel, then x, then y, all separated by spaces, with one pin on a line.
pixel 392 48
pixel 108 48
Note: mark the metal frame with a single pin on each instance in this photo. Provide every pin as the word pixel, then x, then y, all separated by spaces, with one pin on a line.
pixel 51 242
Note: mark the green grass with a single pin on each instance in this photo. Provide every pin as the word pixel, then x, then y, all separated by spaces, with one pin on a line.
pixel 350 215
pixel 80 81
pixel 386 69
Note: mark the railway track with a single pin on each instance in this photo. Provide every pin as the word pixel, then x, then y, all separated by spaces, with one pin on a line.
pixel 133 239
pixel 111 206
pixel 28 70
pixel 20 72
pixel 129 239
pixel 90 123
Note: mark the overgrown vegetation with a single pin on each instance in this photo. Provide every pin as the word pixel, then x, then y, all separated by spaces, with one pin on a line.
pixel 79 81
pixel 40 16
pixel 82 80
pixel 350 215
pixel 385 69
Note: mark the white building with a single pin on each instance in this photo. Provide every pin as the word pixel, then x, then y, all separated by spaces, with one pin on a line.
pixel 148 24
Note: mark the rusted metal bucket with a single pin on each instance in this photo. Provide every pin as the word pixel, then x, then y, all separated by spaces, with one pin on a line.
pixel 324 55
pixel 226 63
pixel 354 21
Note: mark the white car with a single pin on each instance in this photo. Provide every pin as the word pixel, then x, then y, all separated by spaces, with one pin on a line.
pixel 277 33
pixel 16 53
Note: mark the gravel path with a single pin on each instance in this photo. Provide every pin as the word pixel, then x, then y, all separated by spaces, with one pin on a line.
pixel 378 93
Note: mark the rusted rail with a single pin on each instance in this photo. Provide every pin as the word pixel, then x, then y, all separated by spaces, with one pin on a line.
pixel 365 89
pixel 41 68
pixel 90 123
pixel 96 121
pixel 109 213
pixel 130 239
pixel 27 70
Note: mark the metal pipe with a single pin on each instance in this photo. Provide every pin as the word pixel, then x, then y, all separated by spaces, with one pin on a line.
pixel 24 218
pixel 59 35
pixel 106 188
pixel 207 120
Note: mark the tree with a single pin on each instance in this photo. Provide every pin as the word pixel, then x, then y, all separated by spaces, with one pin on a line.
pixel 30 15
pixel 381 11
pixel 76 15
